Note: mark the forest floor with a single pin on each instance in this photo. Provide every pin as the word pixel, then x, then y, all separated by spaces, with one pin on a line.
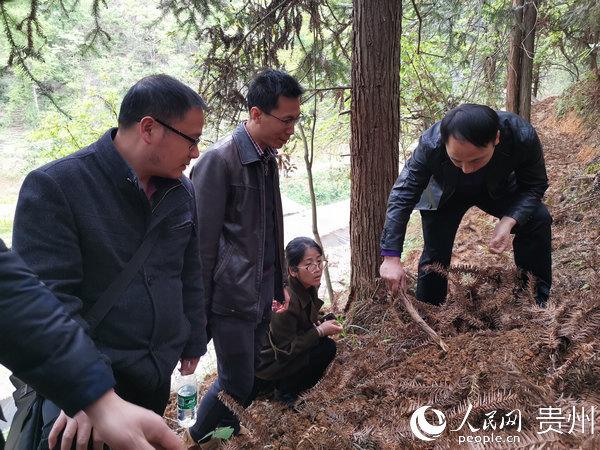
pixel 507 358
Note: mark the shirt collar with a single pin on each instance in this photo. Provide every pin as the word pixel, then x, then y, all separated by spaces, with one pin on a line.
pixel 261 153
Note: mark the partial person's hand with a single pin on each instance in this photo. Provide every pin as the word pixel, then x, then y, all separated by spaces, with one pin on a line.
pixel 277 307
pixel 78 428
pixel 124 426
pixel 501 237
pixel 393 273
pixel 188 365
pixel 329 328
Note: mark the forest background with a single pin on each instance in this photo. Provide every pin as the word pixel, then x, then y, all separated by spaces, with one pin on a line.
pixel 66 65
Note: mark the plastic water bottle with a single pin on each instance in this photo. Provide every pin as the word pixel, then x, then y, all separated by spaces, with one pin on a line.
pixel 187 400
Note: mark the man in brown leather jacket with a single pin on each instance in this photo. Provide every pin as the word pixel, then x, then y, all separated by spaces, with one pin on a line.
pixel 241 240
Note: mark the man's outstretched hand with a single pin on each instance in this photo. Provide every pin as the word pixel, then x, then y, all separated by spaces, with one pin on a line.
pixel 501 237
pixel 393 273
pixel 124 426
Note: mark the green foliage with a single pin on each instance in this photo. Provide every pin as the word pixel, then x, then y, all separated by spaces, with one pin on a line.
pixel 58 136
pixel 457 52
pixel 19 102
pixel 584 99
pixel 331 185
pixel 593 169
pixel 88 83
pixel 310 40
pixel 223 433
pixel 455 55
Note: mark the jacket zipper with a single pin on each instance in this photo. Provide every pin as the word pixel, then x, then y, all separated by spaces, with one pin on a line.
pixel 163 197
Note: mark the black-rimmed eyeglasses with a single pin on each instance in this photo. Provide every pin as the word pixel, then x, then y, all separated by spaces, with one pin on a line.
pixel 288 122
pixel 193 141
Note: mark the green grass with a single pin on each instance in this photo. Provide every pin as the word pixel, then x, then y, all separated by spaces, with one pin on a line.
pixel 331 185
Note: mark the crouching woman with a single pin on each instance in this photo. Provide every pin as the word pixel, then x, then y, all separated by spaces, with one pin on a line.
pixel 298 349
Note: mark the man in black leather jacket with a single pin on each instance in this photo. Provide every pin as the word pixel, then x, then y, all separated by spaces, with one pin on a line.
pixel 473 157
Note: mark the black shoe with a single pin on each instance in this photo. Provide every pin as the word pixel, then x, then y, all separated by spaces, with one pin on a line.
pixel 287 398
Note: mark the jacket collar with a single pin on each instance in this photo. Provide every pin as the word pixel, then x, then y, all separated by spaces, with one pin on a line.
pixel 304 295
pixel 245 147
pixel 119 170
pixel 495 173
pixel 112 162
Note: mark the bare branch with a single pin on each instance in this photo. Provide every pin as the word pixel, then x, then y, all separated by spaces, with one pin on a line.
pixel 420 25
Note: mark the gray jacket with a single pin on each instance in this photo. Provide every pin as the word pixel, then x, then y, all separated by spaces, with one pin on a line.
pixel 80 219
pixel 230 198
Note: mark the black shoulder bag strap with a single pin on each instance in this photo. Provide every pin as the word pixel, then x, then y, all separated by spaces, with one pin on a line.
pixel 109 297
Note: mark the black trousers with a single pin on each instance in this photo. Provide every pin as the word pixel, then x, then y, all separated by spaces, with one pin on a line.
pixel 531 245
pixel 319 357
pixel 237 346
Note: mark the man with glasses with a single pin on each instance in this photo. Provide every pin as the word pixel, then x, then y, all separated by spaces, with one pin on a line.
pixel 81 219
pixel 241 225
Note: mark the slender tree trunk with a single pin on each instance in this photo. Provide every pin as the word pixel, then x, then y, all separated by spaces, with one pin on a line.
pixel 536 79
pixel 575 72
pixel 529 26
pixel 375 127
pixel 490 79
pixel 514 58
pixel 594 62
pixel 308 159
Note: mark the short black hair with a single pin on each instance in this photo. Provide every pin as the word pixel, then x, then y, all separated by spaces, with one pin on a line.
pixel 159 96
pixel 477 124
pixel 296 249
pixel 266 88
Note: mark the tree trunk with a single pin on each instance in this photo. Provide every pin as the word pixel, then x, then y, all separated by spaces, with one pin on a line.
pixel 375 130
pixel 489 68
pixel 514 58
pixel 529 25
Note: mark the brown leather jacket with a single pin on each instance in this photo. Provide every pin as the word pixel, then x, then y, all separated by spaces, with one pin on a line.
pixel 291 334
pixel 230 199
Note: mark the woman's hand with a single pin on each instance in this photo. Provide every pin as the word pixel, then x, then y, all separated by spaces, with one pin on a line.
pixel 329 328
